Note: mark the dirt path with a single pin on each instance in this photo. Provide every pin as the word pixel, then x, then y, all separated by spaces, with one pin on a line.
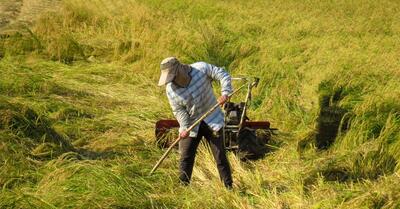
pixel 13 12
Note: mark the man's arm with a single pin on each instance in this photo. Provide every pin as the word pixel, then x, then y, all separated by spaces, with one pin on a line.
pixel 217 73
pixel 181 115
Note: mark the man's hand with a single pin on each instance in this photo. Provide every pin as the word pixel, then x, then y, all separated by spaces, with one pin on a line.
pixel 183 134
pixel 222 99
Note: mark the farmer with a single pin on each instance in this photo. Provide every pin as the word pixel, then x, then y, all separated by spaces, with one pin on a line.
pixel 190 94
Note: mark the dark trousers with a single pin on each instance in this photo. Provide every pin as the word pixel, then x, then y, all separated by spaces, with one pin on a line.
pixel 188 147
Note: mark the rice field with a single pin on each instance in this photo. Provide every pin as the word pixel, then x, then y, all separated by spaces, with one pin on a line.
pixel 79 101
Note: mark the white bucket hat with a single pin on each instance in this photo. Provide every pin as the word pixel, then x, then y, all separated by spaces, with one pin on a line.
pixel 168 70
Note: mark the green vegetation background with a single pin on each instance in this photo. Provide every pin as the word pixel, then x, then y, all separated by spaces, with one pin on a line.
pixel 79 103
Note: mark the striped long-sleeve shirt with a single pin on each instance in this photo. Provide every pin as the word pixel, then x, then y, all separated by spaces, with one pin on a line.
pixel 190 103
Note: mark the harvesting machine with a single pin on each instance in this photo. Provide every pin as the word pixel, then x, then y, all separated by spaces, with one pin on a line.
pixel 246 138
